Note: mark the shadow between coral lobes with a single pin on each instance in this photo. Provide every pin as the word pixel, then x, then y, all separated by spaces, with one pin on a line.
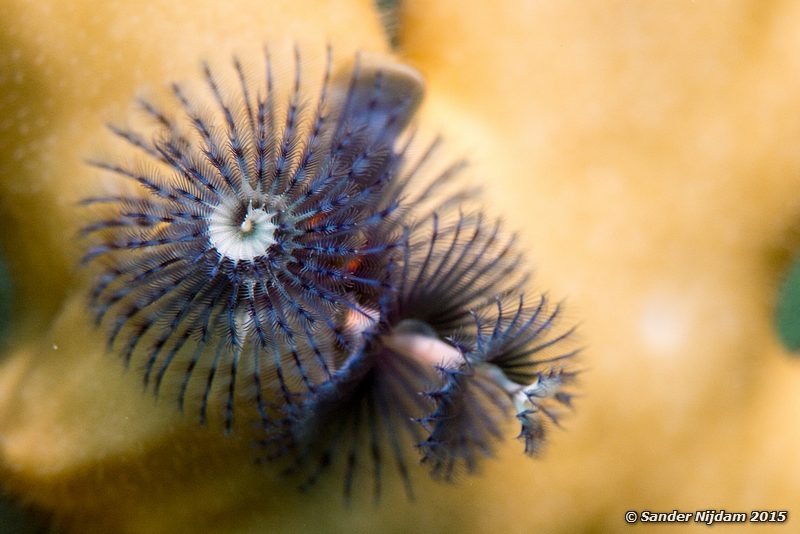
pixel 5 300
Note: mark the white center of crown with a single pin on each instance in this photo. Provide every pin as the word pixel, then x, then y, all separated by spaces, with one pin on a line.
pixel 241 237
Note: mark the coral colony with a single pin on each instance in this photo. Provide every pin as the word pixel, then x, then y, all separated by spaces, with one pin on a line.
pixel 297 257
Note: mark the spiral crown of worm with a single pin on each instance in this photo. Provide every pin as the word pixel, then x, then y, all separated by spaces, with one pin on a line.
pixel 278 239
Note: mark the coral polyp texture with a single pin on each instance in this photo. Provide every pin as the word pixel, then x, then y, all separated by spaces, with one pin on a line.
pixel 297 253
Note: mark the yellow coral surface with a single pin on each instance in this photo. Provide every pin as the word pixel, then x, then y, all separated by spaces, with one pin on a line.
pixel 647 152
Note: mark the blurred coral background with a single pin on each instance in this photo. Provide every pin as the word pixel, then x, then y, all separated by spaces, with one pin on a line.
pixel 648 153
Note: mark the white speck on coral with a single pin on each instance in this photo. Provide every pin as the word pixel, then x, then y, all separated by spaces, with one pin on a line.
pixel 663 325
